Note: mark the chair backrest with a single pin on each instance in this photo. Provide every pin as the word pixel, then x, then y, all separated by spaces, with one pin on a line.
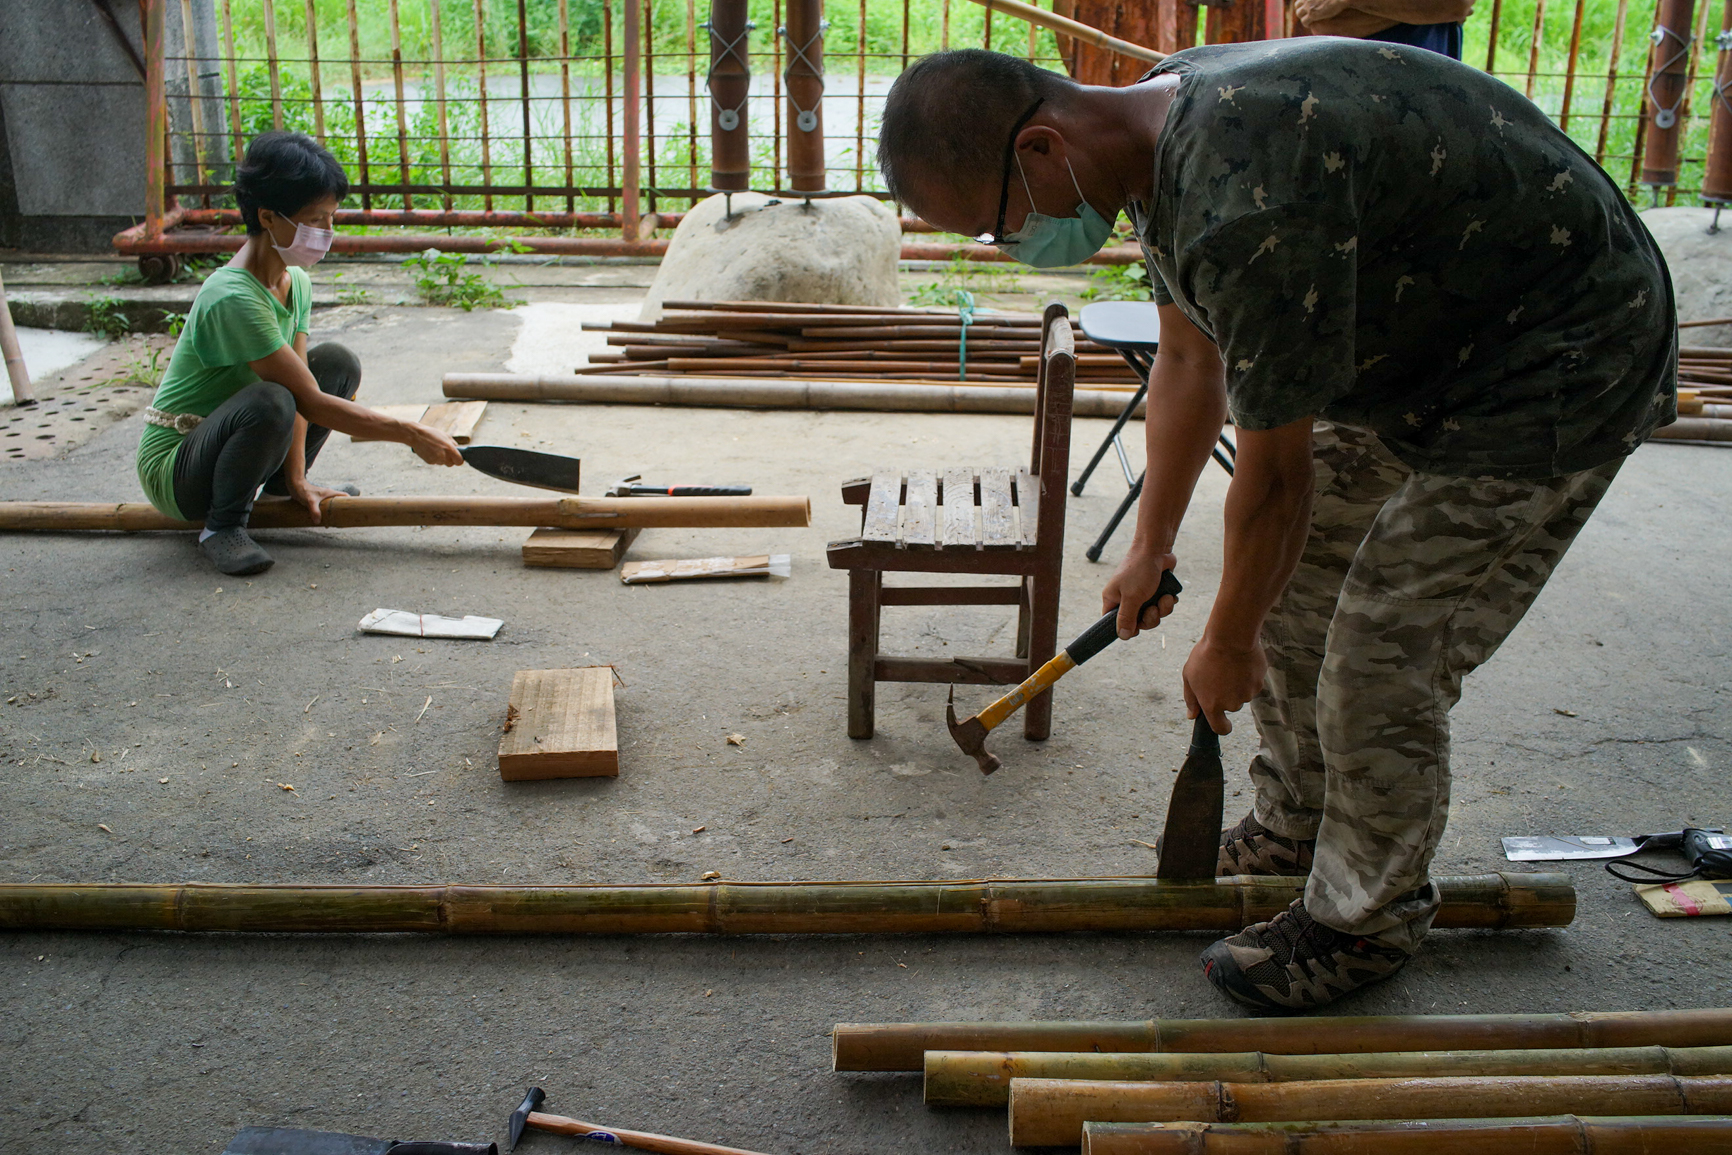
pixel 1054 397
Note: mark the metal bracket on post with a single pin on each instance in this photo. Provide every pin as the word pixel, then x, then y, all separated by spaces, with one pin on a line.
pixel 806 119
pixel 1665 117
pixel 727 119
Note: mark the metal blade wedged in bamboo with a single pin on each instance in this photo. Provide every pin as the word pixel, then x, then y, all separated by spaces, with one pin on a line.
pixel 352 512
pixel 1051 1112
pixel 1545 1135
pixel 960 906
pixel 903 1046
pixel 982 1078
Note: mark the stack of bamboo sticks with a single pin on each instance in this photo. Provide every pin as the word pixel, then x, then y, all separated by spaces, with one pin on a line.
pixel 1704 395
pixel 1606 1083
pixel 842 342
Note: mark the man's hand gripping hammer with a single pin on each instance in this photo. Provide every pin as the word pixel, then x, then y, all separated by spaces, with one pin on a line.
pixel 970 733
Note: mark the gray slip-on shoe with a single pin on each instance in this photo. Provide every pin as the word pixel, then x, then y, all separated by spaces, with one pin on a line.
pixel 234 553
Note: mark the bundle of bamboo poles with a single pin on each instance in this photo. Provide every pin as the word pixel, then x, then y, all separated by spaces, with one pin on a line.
pixel 842 342
pixel 1704 395
pixel 1611 1082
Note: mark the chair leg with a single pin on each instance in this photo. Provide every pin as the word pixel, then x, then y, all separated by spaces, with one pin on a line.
pixel 1042 645
pixel 864 586
pixel 1023 618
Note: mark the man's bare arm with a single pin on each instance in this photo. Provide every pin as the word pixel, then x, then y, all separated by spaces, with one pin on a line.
pixel 1365 17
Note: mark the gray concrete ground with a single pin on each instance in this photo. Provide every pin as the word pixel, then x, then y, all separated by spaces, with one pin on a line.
pixel 1607 711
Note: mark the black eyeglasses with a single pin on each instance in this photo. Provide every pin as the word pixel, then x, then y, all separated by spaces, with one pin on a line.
pixel 997 237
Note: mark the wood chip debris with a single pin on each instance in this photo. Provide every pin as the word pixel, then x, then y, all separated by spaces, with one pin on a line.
pixel 736 739
pixel 710 875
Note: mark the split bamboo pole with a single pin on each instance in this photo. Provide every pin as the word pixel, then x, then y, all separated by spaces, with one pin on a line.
pixel 352 512
pixel 1550 1135
pixel 796 393
pixel 964 906
pixel 903 1046
pixel 1051 1112
pixel 982 1078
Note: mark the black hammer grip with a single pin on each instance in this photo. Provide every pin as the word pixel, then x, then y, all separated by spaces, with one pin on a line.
pixel 1106 631
pixel 689 490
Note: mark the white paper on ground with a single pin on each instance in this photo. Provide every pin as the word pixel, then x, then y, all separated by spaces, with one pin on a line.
pixel 409 624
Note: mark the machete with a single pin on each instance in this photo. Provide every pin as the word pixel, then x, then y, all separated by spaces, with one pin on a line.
pixel 1192 840
pixel 524 466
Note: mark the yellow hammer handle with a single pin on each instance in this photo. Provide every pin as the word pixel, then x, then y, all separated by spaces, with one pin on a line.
pixel 1040 680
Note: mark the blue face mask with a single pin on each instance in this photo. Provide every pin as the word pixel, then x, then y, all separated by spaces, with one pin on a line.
pixel 1046 242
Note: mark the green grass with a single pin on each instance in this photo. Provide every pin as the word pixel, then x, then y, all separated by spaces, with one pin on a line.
pixel 674 157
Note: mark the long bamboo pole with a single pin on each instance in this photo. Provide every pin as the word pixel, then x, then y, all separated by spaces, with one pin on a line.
pixel 350 512
pixel 1051 1112
pixel 155 119
pixel 982 1078
pixel 1072 28
pixel 16 372
pixel 902 1046
pixel 270 13
pixel 960 906
pixel 1549 1135
pixel 313 80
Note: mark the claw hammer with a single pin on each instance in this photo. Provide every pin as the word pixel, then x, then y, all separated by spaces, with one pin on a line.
pixel 970 733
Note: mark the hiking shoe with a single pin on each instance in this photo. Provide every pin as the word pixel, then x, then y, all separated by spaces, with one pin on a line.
pixel 1293 963
pixel 233 552
pixel 1252 848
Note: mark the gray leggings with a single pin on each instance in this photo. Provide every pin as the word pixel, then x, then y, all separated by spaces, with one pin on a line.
pixel 244 442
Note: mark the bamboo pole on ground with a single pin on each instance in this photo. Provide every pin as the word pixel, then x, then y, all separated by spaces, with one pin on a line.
pixel 1051 1112
pixel 951 907
pixel 352 512
pixel 1695 429
pixel 790 393
pixel 902 1046
pixel 1550 1135
pixel 982 1078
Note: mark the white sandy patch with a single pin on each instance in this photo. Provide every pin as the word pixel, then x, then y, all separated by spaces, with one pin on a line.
pixel 48 351
pixel 553 342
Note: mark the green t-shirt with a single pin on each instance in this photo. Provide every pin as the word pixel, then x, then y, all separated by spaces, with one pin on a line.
pixel 1396 241
pixel 233 320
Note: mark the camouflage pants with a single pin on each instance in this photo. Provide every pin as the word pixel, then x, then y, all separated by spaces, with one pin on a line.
pixel 1407 582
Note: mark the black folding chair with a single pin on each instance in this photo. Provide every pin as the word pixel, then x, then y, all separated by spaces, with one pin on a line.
pixel 1134 329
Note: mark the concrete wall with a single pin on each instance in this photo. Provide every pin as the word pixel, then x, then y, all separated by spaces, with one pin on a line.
pixel 72 117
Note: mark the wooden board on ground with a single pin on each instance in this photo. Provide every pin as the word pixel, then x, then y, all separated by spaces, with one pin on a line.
pixel 457 418
pixel 577 548
pixel 559 724
pixel 400 412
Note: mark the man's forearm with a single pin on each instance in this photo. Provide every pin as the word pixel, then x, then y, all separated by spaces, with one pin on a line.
pixel 1417 11
pixel 1267 517
pixel 1187 407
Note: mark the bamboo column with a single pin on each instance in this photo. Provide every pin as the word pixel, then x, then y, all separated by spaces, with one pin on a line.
pixel 1665 91
pixel 631 208
pixel 155 120
pixel 982 1078
pixel 730 82
pixel 805 81
pixel 902 1046
pixel 1717 174
pixel 14 354
pixel 1551 1135
pixel 1051 1112
pixel 351 512
pixel 962 906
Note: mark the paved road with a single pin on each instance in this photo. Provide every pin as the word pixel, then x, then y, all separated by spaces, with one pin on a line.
pixel 1607 711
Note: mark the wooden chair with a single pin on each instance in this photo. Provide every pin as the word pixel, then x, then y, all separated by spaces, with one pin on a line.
pixel 972 520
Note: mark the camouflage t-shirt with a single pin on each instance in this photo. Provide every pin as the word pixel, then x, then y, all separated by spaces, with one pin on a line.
pixel 1394 240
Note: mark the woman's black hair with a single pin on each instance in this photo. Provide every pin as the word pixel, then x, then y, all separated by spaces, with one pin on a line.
pixel 285 172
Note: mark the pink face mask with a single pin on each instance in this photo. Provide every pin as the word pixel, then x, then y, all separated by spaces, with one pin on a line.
pixel 308 248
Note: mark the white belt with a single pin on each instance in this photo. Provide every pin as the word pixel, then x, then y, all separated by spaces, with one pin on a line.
pixel 181 423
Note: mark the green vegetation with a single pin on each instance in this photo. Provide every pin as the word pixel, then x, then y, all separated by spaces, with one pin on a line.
pixel 981 278
pixel 107 317
pixel 1118 283
pixel 443 279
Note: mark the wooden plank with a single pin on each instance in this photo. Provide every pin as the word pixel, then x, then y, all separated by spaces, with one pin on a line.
pixel 400 412
pixel 882 507
pixel 577 548
pixel 457 418
pixel 950 596
pixel 920 508
pixel 997 522
pixel 1028 505
pixel 959 509
pixel 559 724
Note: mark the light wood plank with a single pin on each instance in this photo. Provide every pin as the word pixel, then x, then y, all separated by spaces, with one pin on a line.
pixel 1027 505
pixel 997 522
pixel 577 548
pixel 560 724
pixel 882 507
pixel 457 418
pixel 919 508
pixel 400 412
pixel 959 509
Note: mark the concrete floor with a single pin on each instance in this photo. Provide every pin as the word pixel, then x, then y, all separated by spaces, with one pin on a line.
pixel 1607 711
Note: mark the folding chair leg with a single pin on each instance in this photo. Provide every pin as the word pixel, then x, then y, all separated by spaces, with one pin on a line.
pixel 1042 645
pixel 864 586
pixel 1094 551
pixel 1112 438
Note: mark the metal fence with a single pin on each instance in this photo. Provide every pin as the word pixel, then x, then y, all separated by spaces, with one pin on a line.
pixel 584 126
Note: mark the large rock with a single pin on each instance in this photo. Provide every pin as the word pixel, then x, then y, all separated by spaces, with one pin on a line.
pixel 1701 267
pixel 840 251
